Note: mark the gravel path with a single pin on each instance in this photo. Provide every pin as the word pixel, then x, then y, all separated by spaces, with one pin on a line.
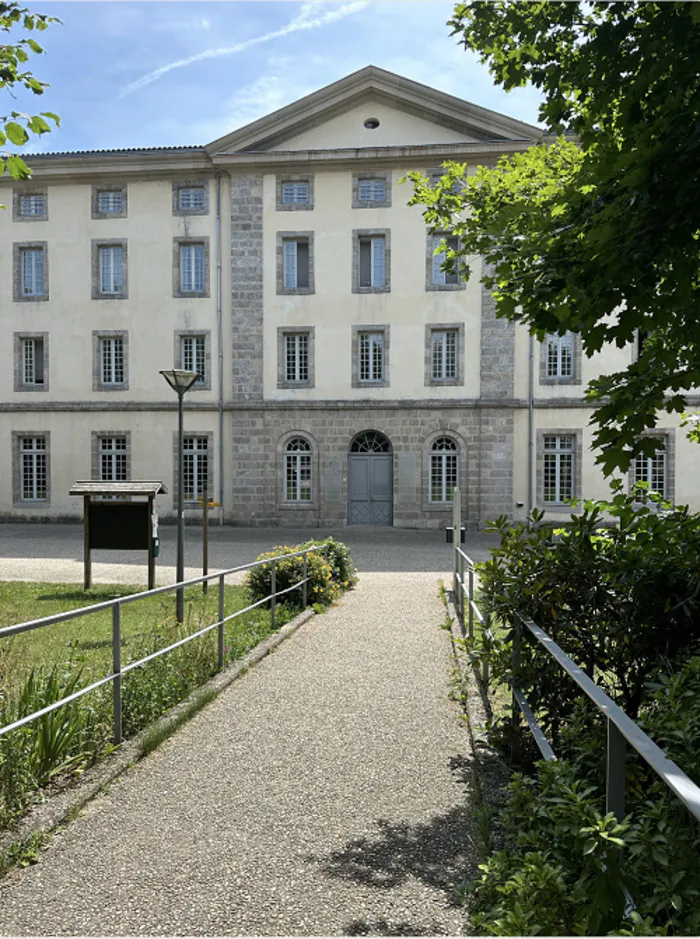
pixel 322 794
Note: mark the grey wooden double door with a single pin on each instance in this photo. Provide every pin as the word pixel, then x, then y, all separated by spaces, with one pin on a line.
pixel 370 481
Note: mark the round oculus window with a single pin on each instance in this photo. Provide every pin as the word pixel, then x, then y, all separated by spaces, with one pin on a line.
pixel 372 123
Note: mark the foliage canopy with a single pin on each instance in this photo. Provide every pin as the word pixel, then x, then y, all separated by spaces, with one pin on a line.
pixel 599 236
pixel 15 126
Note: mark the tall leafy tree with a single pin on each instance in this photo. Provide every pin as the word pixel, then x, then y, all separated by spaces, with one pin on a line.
pixel 15 126
pixel 598 230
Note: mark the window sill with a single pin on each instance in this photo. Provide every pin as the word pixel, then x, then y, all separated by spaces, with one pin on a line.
pixel 385 289
pixel 383 204
pixel 191 294
pixel 295 291
pixel 296 506
pixel 110 296
pixel 295 207
pixel 445 288
pixel 560 381
pixel 294 384
pixel 31 298
pixel 444 382
pixel 30 388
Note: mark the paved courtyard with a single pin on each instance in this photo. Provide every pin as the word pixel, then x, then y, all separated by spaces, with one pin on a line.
pixel 54 552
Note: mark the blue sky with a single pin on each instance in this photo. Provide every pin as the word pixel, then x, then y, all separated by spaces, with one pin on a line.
pixel 131 74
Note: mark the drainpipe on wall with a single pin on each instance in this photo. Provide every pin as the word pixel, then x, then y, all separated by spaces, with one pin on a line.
pixel 220 342
pixel 531 429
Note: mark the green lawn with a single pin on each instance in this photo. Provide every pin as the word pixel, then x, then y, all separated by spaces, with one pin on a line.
pixel 86 643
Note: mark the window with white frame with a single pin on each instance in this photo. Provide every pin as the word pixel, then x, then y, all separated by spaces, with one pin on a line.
pixel 295 192
pixel 110 201
pixel 370 356
pixel 372 266
pixel 195 465
pixel 371 190
pixel 193 357
pixel 558 468
pixel 442 278
pixel 297 471
pixel 296 263
pixel 111 264
pixel 113 461
pixel 32 261
pixel 559 351
pixel 33 469
pixel 192 268
pixel 652 471
pixel 443 469
pixel 32 205
pixel 191 199
pixel 296 358
pixel 32 364
pixel 112 359
pixel 443 354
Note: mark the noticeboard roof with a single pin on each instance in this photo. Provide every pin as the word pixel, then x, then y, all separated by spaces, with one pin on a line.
pixel 127 487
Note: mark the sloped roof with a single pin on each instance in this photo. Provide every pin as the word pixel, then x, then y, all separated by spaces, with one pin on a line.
pixel 269 132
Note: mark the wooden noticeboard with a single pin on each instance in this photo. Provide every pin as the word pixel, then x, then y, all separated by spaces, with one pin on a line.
pixel 119 526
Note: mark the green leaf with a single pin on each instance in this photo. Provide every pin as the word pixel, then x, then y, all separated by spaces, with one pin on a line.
pixel 16 134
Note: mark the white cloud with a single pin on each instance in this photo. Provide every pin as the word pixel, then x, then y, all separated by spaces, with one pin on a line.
pixel 308 18
pixel 177 26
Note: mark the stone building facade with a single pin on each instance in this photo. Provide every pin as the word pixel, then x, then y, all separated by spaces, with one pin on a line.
pixel 344 378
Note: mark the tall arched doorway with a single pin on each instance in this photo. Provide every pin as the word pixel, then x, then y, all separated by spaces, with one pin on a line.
pixel 370 480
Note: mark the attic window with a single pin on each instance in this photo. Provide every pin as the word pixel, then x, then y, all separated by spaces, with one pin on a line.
pixel 372 123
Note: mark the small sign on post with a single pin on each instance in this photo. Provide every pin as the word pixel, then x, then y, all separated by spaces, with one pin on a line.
pixel 206 505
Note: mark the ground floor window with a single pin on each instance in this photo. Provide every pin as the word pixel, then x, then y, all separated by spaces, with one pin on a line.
pixel 113 459
pixel 558 468
pixel 195 465
pixel 297 471
pixel 651 470
pixel 33 458
pixel 443 469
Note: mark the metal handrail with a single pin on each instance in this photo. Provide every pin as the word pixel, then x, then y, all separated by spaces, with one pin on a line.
pixel 621 728
pixel 115 605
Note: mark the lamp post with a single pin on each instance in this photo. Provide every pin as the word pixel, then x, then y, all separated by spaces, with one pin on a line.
pixel 180 380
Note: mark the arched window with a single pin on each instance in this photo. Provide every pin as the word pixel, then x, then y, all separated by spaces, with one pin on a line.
pixel 443 469
pixel 370 441
pixel 297 471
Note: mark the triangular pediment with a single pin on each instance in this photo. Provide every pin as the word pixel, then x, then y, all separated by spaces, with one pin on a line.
pixel 407 112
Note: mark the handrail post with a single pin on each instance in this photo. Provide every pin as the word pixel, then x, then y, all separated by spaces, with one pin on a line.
pixel 304 591
pixel 514 669
pixel 615 772
pixel 460 600
pixel 273 591
pixel 220 630
pixel 117 672
pixel 470 598
pixel 456 536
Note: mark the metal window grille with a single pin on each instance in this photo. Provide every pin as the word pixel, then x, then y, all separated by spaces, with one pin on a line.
pixel 194 357
pixel 33 469
pixel 295 193
pixel 444 354
pixel 372 190
pixel 371 356
pixel 33 361
pixel 113 459
pixel 558 468
pixel 191 198
pixel 32 272
pixel 443 469
pixel 32 205
pixel 296 357
pixel 560 356
pixel 441 277
pixel 110 202
pixel 111 269
pixel 297 471
pixel 195 467
pixel 372 262
pixel 651 470
pixel 112 360
pixel 192 268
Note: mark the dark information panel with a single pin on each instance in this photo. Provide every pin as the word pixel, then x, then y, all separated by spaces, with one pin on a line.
pixel 119 525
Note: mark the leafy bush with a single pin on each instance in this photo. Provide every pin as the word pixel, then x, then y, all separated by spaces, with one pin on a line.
pixel 330 571
pixel 622 601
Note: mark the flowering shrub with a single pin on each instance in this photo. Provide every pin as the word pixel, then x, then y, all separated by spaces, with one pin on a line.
pixel 330 573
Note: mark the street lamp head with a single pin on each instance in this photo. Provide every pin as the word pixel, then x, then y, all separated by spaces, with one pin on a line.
pixel 179 379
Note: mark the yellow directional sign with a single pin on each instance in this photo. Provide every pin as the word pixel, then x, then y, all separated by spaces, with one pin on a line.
pixel 212 504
